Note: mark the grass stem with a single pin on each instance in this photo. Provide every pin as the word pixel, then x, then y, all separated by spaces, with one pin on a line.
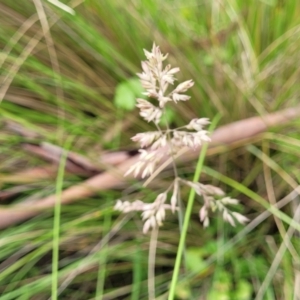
pixel 188 214
pixel 56 221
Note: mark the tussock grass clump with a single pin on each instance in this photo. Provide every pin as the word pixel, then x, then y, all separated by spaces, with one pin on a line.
pixel 59 73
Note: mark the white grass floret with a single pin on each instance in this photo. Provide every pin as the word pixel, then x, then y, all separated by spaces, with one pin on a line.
pixel 198 124
pixel 147 138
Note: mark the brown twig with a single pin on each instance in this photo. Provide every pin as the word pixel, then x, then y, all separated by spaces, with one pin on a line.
pixel 30 175
pixel 113 178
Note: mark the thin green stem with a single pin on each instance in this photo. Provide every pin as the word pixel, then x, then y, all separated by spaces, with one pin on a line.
pixel 151 264
pixel 188 214
pixel 56 221
pixel 103 258
pixel 137 273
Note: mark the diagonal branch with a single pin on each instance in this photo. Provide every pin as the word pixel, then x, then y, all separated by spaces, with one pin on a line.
pixel 113 178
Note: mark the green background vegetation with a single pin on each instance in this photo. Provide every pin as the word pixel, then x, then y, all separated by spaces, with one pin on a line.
pixel 244 58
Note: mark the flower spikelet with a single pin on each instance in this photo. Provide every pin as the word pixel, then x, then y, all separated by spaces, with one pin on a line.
pixel 147 161
pixel 153 214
